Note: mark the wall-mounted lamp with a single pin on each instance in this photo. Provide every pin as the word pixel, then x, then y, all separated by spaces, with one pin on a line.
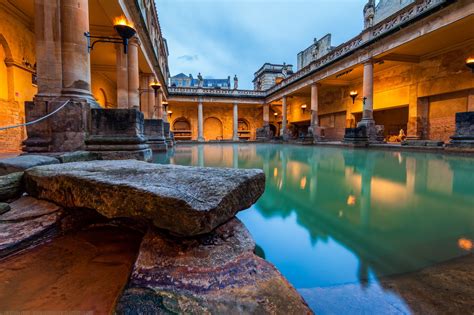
pixel 303 108
pixel 156 87
pixel 470 63
pixel 170 113
pixel 124 29
pixel 353 95
pixel 276 114
pixel 165 105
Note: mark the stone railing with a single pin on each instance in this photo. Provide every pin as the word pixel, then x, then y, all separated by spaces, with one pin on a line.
pixel 215 92
pixel 385 26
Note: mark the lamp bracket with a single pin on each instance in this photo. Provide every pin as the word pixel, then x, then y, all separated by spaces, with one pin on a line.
pixel 93 40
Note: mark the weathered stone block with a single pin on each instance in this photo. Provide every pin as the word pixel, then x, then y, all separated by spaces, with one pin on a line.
pixel 183 200
pixel 154 132
pixel 79 156
pixel 464 135
pixel 23 162
pixel 11 186
pixel 4 208
pixel 118 134
pixel 217 273
pixel 356 136
pixel 264 133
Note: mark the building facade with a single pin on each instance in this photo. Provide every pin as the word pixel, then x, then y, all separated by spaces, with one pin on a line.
pixel 182 80
pixel 405 70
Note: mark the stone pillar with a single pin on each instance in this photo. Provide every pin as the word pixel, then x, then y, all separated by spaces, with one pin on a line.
pixel 368 92
pixel 76 74
pixel 284 115
pixel 368 102
pixel 314 111
pixel 151 98
pixel 122 77
pixel 417 115
pixel 159 105
pixel 133 74
pixel 235 123
pixel 266 115
pixel 200 122
pixel 48 47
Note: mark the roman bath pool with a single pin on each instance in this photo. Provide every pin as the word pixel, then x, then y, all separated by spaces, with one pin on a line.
pixel 346 227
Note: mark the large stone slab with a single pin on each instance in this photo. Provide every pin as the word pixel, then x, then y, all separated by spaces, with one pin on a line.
pixel 217 273
pixel 11 186
pixel 184 200
pixel 23 162
pixel 27 208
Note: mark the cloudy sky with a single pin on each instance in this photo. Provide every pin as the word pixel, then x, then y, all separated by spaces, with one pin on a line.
pixel 225 37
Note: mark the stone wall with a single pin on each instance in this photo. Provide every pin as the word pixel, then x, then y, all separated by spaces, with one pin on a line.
pixel 17 57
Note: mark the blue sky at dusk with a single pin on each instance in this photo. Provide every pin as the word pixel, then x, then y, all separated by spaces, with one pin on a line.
pixel 225 37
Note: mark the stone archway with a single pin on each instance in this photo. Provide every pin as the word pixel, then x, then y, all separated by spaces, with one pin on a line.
pixel 6 74
pixel 102 98
pixel 213 129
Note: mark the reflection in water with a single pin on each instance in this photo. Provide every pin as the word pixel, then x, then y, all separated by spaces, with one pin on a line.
pixel 332 216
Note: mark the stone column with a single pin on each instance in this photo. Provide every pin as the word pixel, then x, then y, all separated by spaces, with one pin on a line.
pixel 284 115
pixel 122 77
pixel 165 113
pixel 48 47
pixel 159 105
pixel 417 115
pixel 151 98
pixel 314 111
pixel 76 67
pixel 200 123
pixel 235 124
pixel 266 115
pixel 368 101
pixel 133 74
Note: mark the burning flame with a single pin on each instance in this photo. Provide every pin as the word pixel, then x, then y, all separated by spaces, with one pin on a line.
pixel 465 244
pixel 470 60
pixel 122 20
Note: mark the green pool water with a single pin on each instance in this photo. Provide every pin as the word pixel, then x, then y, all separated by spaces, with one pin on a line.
pixel 333 216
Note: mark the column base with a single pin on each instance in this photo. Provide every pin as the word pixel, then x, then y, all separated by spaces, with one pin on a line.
pixel 374 132
pixel 264 133
pixel 464 137
pixel 201 139
pixel 117 134
pixel 154 133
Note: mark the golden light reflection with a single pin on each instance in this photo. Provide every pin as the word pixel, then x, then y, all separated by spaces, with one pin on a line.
pixel 275 172
pixel 303 183
pixel 351 200
pixel 122 20
pixel 465 244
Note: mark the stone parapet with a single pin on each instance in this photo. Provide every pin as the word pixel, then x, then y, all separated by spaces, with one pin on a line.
pixel 118 134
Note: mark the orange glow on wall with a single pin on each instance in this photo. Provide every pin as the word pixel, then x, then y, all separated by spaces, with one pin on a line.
pixel 122 20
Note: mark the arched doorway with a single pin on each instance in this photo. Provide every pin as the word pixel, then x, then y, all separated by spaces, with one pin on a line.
pixel 182 129
pixel 213 129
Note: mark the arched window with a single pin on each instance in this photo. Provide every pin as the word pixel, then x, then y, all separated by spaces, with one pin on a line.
pixel 181 124
pixel 244 125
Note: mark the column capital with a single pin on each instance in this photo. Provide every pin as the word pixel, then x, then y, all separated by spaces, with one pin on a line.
pixel 134 41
